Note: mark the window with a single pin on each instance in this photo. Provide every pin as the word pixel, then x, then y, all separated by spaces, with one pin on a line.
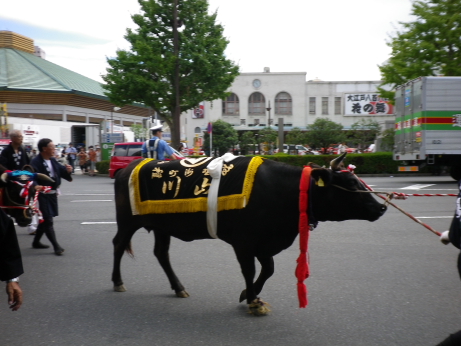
pixel 120 150
pixel 283 104
pixel 230 105
pixel 242 122
pixel 134 150
pixel 311 105
pixel 256 104
pixel 197 130
pixel 324 105
pixel 337 105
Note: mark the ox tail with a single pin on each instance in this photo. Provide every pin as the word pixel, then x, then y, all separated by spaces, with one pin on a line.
pixel 129 250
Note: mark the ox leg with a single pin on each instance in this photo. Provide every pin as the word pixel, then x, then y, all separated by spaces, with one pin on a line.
pixel 161 251
pixel 247 263
pixel 122 242
pixel 267 270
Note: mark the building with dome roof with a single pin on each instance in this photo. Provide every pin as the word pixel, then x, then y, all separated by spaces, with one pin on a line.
pixel 35 89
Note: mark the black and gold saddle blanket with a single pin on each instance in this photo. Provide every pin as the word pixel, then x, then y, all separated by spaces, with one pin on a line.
pixel 181 186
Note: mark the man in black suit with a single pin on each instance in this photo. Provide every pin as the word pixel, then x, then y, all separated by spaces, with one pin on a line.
pixel 10 261
pixel 45 163
pixel 14 156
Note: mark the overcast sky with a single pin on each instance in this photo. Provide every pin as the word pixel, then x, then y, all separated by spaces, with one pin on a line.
pixel 333 40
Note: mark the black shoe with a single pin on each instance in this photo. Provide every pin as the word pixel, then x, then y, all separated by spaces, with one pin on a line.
pixel 59 252
pixel 40 246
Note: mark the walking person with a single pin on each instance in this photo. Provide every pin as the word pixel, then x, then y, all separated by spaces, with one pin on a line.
pixel 93 158
pixel 14 156
pixel 71 155
pixel 10 261
pixel 48 200
pixel 82 160
pixel 32 154
pixel 98 154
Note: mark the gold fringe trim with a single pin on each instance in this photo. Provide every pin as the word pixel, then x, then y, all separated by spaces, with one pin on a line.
pixel 193 205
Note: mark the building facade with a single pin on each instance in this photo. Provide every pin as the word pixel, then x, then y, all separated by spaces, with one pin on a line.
pixel 261 99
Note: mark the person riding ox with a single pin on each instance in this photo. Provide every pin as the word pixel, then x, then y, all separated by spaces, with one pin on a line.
pixel 256 205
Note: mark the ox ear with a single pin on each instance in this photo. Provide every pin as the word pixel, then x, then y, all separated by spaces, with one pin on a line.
pixel 322 176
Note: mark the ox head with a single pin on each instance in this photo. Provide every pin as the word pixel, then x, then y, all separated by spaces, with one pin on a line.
pixel 17 189
pixel 336 196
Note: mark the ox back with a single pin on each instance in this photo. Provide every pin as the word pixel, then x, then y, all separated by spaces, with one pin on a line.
pixel 266 226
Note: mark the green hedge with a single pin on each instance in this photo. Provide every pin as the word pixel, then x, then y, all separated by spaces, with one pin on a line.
pixel 372 163
pixel 103 166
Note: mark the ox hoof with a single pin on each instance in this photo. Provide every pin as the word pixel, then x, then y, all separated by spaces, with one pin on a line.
pixel 243 296
pixel 120 288
pixel 259 308
pixel 182 294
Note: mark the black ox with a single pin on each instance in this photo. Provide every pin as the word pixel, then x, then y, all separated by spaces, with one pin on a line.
pixel 12 202
pixel 274 204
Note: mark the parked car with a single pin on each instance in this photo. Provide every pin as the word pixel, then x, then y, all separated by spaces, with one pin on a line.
pixel 123 153
pixel 293 149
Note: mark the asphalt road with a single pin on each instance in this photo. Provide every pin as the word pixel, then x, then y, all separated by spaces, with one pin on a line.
pixel 390 282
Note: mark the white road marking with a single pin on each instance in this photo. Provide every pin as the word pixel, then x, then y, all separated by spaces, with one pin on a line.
pixel 98 223
pixel 434 217
pixel 416 187
pixel 94 200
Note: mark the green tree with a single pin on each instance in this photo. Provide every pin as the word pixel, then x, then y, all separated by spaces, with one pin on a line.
pixel 246 140
pixel 364 132
pixel 428 46
pixel 387 140
pixel 295 136
pixel 167 69
pixel 267 136
pixel 323 132
pixel 139 131
pixel 224 137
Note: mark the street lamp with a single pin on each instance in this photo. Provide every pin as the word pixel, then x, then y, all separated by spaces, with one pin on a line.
pixel 115 109
pixel 269 122
pixel 269 110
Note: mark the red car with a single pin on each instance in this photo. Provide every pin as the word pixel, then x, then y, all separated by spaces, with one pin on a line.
pixel 123 153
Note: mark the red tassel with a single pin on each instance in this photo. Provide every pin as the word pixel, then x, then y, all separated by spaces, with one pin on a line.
pixel 302 295
pixel 302 269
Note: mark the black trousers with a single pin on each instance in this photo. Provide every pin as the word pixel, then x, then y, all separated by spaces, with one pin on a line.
pixel 46 227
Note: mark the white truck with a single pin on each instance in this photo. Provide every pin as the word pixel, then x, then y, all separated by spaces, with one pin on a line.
pixel 428 124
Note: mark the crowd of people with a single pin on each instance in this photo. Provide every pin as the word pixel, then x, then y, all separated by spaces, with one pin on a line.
pixel 85 159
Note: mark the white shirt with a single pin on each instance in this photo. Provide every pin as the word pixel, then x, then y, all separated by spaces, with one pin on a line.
pixel 50 166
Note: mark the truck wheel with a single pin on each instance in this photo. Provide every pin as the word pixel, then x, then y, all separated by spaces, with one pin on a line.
pixel 455 172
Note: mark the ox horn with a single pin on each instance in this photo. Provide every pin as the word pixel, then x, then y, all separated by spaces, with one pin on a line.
pixel 44 177
pixel 334 164
pixel 4 177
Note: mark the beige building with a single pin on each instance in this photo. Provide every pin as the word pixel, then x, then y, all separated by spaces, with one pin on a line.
pixel 291 98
